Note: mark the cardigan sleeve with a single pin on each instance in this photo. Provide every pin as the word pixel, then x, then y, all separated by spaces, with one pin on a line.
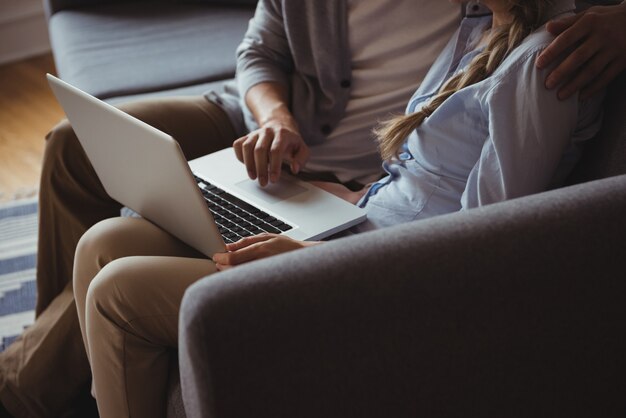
pixel 264 54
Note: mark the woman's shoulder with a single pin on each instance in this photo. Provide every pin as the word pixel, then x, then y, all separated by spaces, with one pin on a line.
pixel 536 42
pixel 526 53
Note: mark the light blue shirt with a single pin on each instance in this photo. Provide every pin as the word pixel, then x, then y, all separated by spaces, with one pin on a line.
pixel 505 137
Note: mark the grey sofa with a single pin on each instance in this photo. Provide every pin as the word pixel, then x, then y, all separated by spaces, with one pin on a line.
pixel 125 50
pixel 516 309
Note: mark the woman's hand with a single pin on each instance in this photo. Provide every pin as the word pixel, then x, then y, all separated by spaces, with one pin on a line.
pixel 597 38
pixel 264 150
pixel 257 247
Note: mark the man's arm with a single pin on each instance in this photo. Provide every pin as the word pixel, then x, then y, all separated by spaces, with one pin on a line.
pixel 264 62
pixel 597 38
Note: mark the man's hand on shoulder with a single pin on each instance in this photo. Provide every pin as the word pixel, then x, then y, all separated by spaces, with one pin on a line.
pixel 597 41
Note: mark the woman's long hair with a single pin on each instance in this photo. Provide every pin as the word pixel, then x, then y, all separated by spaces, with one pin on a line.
pixel 527 15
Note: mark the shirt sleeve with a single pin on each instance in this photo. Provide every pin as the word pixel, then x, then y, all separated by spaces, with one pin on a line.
pixel 529 130
pixel 264 54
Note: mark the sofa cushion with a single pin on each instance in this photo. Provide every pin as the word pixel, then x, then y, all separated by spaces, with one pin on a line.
pixel 195 90
pixel 122 49
pixel 53 6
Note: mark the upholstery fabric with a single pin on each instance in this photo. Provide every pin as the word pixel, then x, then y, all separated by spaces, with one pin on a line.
pixel 194 90
pixel 175 407
pixel 53 6
pixel 606 155
pixel 122 49
pixel 515 309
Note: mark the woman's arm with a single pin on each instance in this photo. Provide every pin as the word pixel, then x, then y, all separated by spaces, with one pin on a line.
pixel 529 131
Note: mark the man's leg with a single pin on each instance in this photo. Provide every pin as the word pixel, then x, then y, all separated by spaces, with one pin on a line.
pixel 129 279
pixel 42 372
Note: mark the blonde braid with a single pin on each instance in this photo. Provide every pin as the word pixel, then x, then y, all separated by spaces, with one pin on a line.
pixel 527 16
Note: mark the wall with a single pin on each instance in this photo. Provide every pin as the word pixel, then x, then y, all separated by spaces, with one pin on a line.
pixel 23 30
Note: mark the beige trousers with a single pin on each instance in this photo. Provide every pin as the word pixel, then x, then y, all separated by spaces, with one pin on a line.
pixel 45 373
pixel 129 280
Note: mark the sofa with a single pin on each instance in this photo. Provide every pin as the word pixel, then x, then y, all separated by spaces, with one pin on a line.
pixel 120 51
pixel 516 309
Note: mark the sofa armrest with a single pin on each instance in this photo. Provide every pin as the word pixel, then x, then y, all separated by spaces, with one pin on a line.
pixel 514 309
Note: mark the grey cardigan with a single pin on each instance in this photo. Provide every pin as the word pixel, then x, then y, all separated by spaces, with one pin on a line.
pixel 304 46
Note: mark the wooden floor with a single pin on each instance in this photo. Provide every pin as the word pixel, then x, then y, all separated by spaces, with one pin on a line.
pixel 27 112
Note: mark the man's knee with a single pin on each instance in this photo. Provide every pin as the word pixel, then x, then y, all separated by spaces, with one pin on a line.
pixel 102 242
pixel 61 139
pixel 103 293
pixel 111 290
pixel 63 156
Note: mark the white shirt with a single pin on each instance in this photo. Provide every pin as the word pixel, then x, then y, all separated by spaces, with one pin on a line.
pixel 392 45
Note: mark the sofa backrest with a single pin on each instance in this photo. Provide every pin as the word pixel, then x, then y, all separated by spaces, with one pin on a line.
pixel 605 155
pixel 53 6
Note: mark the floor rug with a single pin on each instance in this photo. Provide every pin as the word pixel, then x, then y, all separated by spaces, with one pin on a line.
pixel 18 247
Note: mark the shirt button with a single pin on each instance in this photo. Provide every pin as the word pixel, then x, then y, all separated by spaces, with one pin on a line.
pixel 345 84
pixel 405 156
pixel 326 129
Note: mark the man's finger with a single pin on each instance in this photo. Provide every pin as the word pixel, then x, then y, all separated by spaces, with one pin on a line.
pixel 299 158
pixel 277 151
pixel 238 147
pixel 556 27
pixel 588 72
pixel 248 154
pixel 560 44
pixel 261 156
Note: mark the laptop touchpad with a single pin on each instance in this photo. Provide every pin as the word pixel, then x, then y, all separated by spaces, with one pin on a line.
pixel 273 192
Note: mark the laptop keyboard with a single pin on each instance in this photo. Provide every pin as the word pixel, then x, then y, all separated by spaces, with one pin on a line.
pixel 235 218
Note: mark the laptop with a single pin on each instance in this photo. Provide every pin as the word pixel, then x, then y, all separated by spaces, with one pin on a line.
pixel 206 202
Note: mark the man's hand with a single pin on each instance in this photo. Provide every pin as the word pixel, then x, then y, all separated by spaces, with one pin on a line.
pixel 263 151
pixel 255 248
pixel 597 38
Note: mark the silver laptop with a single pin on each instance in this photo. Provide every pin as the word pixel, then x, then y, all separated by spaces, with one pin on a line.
pixel 205 202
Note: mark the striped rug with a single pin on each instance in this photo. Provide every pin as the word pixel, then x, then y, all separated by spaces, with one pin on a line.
pixel 18 247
